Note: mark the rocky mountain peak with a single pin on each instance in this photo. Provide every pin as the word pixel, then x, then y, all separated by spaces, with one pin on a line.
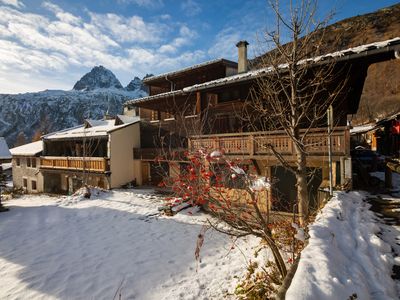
pixel 98 77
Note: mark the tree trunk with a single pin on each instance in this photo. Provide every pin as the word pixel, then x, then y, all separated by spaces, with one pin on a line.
pixel 277 255
pixel 302 188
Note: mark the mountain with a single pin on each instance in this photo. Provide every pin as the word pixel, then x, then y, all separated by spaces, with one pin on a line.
pixel 93 95
pixel 98 77
pixel 381 94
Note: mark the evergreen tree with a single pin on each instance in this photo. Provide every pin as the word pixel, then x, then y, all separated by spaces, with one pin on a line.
pixel 2 187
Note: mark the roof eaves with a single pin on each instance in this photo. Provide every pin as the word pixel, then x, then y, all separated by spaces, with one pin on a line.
pixel 153 97
pixel 193 67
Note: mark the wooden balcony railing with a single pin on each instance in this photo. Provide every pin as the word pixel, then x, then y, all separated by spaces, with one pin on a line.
pixel 94 164
pixel 260 143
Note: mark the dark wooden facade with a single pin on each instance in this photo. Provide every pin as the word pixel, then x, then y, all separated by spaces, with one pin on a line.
pixel 201 107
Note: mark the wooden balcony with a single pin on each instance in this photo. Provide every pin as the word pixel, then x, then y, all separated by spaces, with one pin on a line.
pixel 258 144
pixel 92 164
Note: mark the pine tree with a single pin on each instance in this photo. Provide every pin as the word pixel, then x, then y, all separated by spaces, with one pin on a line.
pixel 2 187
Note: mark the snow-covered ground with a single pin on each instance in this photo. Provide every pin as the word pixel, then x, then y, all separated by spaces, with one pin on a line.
pixel 60 248
pixel 345 256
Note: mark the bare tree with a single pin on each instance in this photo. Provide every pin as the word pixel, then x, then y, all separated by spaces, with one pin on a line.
pixel 295 94
pixel 239 201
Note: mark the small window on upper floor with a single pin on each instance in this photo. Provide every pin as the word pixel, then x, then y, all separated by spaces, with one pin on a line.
pixel 154 115
pixel 18 162
pixel 33 162
pixel 28 162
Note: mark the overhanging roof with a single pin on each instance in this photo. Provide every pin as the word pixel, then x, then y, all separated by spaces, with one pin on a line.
pixel 350 54
pixel 179 72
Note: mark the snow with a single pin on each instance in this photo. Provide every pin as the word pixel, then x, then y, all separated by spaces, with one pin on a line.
pixel 260 184
pixel 30 149
pixel 4 151
pixel 344 255
pixel 381 176
pixel 58 109
pixel 362 128
pixel 6 166
pixel 115 242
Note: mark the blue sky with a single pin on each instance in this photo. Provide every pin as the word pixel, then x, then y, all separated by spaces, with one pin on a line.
pixel 50 44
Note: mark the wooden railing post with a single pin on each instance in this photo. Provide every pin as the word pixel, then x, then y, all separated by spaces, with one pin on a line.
pixel 251 144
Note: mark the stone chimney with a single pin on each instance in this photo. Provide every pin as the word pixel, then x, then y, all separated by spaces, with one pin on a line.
pixel 242 56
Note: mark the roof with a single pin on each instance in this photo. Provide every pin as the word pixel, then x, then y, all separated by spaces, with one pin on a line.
pixel 30 149
pixel 362 128
pixel 6 166
pixel 197 66
pixel 4 151
pixel 93 128
pixel 346 54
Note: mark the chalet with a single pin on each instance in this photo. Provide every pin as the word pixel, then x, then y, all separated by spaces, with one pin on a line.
pixel 26 167
pixel 97 153
pixel 197 106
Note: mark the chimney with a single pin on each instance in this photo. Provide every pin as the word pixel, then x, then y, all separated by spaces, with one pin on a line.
pixel 242 56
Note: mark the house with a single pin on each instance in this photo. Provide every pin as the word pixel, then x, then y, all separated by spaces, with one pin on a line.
pixel 5 155
pixel 26 167
pixel 382 136
pixel 98 153
pixel 197 107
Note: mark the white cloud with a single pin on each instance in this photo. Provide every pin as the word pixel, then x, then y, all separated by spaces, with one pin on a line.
pixel 190 7
pixel 225 44
pixel 60 14
pixel 186 36
pixel 133 29
pixel 15 3
pixel 36 45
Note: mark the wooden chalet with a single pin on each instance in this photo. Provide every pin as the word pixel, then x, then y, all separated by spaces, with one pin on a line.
pixel 197 107
pixel 98 153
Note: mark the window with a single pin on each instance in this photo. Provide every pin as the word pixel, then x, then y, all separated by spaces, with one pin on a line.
pixel 28 162
pixel 18 162
pixel 33 162
pixel 33 183
pixel 25 183
pixel 154 115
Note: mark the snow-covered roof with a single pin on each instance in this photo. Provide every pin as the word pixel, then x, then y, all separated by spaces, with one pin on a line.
pixel 210 62
pixel 30 149
pixel 99 128
pixel 153 97
pixel 6 166
pixel 4 151
pixel 253 74
pixel 362 128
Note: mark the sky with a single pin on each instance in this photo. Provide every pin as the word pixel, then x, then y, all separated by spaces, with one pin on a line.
pixel 50 44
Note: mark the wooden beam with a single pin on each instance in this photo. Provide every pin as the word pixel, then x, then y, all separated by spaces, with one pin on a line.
pixel 198 103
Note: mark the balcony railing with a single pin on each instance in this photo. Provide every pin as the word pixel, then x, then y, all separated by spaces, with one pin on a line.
pixel 260 143
pixel 93 164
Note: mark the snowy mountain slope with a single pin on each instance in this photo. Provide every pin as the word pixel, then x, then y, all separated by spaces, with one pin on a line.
pixel 98 77
pixel 53 110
